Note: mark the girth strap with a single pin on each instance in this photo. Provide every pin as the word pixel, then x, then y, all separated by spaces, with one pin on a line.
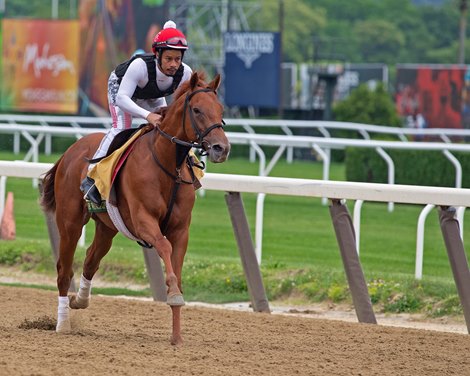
pixel 164 224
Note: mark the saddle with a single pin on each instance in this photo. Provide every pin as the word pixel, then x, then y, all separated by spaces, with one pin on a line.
pixel 106 170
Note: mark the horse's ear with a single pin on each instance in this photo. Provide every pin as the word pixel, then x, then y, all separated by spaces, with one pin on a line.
pixel 215 83
pixel 194 80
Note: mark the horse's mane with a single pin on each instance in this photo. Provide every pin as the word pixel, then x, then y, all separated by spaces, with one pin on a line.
pixel 184 87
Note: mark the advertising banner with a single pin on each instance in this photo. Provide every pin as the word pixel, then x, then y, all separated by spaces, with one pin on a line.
pixel 357 74
pixel 252 69
pixel 40 66
pixel 433 96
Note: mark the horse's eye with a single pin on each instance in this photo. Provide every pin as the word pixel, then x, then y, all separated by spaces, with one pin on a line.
pixel 196 111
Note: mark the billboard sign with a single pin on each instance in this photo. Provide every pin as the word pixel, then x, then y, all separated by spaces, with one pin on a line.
pixel 40 66
pixel 357 74
pixel 439 94
pixel 252 69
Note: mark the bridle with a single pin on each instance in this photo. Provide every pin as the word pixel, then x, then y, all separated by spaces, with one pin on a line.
pixel 200 143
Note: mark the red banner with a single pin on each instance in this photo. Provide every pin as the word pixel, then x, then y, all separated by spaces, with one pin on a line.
pixel 439 95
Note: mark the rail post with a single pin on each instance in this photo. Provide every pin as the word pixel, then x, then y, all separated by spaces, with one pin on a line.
pixel 347 244
pixel 457 258
pixel 247 252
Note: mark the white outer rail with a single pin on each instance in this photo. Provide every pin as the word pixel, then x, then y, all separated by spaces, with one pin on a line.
pixel 248 125
pixel 363 129
pixel 322 145
pixel 437 196
pixel 261 139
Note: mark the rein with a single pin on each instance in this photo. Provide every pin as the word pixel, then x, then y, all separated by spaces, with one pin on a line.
pixel 182 150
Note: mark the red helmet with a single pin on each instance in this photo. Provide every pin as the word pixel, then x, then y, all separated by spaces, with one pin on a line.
pixel 169 37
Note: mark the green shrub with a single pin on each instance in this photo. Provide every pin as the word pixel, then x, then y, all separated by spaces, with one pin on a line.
pixel 26 254
pixel 445 307
pixel 368 106
pixel 379 290
pixel 413 167
pixel 404 302
pixel 10 256
pixel 337 293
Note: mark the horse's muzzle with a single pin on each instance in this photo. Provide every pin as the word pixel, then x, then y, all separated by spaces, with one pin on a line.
pixel 218 153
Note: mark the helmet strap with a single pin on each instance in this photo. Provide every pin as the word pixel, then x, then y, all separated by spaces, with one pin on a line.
pixel 159 58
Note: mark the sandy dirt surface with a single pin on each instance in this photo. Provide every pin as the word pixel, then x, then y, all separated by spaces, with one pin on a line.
pixel 131 337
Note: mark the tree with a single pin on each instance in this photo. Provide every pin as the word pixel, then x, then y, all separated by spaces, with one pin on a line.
pixel 37 9
pixel 380 41
pixel 368 106
pixel 301 21
pixel 427 33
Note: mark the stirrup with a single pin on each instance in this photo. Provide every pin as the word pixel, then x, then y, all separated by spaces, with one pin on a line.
pixel 94 208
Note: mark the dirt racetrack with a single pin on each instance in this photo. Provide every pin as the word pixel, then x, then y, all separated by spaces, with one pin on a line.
pixel 131 337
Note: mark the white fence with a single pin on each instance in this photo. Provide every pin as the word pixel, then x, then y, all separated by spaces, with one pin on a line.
pixel 436 196
pixel 35 135
pixel 249 125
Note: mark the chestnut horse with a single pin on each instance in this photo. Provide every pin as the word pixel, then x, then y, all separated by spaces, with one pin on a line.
pixel 151 208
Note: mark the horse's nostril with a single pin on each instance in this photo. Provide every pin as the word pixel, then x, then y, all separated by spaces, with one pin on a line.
pixel 217 148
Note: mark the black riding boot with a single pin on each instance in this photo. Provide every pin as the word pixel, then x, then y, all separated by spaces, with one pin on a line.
pixel 88 187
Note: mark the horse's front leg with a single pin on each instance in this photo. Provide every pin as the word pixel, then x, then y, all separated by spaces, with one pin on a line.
pixel 165 250
pixel 174 296
pixel 98 249
pixel 176 338
pixel 146 231
pixel 179 240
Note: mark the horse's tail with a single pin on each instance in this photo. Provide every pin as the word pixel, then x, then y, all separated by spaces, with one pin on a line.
pixel 48 194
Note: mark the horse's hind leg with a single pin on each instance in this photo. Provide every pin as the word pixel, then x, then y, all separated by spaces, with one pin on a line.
pixel 70 231
pixel 98 249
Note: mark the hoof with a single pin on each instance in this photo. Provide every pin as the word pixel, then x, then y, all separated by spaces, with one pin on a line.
pixel 176 340
pixel 63 327
pixel 75 302
pixel 175 300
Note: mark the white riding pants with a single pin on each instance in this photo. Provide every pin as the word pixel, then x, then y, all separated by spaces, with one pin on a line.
pixel 121 121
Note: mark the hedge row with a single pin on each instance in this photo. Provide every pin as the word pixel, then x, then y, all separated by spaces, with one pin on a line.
pixel 413 167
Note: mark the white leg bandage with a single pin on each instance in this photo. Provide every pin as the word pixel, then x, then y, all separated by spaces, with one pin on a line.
pixel 82 299
pixel 84 291
pixel 63 319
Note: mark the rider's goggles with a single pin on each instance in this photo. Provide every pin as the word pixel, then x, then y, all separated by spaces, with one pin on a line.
pixel 175 41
